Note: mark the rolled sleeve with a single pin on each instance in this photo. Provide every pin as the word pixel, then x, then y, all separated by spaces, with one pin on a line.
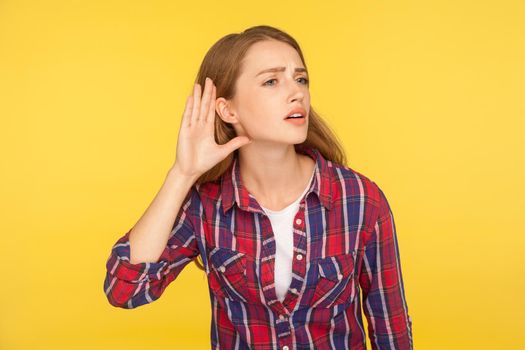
pixel 385 305
pixel 130 285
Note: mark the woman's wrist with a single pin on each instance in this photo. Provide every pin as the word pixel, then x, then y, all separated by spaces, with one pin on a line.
pixel 176 173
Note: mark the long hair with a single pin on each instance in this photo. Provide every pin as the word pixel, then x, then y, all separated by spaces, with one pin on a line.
pixel 222 64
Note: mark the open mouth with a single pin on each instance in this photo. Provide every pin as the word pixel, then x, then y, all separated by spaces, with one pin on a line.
pixel 295 116
pixel 299 120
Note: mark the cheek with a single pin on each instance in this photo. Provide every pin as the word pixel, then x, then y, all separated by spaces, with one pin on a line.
pixel 259 112
pixel 261 103
pixel 252 103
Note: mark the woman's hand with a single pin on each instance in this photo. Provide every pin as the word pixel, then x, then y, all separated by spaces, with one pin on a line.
pixel 197 151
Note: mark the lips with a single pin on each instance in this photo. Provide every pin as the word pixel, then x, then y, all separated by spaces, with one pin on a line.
pixel 297 110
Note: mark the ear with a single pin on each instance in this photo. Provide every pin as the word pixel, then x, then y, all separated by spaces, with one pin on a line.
pixel 225 110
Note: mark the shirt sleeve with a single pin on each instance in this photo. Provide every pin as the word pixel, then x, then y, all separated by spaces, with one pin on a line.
pixel 385 305
pixel 130 285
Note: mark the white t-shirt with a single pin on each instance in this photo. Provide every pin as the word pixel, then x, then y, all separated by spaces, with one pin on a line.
pixel 282 226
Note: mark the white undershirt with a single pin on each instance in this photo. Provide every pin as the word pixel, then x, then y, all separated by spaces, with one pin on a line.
pixel 282 226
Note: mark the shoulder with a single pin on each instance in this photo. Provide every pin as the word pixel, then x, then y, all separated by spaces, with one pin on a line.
pixel 358 194
pixel 355 186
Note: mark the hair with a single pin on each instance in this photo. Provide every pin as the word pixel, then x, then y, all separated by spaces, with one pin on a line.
pixel 222 63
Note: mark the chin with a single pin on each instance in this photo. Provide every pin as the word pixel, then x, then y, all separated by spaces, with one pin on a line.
pixel 298 140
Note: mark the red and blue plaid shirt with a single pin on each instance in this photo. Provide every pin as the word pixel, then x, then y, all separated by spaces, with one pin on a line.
pixel 344 244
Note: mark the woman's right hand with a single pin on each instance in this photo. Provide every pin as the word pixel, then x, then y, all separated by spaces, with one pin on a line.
pixel 197 151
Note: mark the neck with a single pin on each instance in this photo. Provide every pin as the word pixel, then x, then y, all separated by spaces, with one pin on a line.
pixel 274 176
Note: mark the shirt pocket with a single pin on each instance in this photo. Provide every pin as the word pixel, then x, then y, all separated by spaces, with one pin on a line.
pixel 227 276
pixel 335 281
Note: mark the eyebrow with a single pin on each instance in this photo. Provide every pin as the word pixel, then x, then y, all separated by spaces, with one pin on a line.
pixel 279 69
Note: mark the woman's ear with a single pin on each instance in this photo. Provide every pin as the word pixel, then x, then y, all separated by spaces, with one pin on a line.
pixel 224 110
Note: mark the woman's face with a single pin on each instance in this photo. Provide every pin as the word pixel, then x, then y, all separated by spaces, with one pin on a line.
pixel 265 97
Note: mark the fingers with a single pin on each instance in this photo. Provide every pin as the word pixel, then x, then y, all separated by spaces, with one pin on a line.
pixel 211 110
pixel 196 103
pixel 203 107
pixel 186 117
pixel 236 142
pixel 205 104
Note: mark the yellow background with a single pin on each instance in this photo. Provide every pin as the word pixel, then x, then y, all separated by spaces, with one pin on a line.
pixel 426 96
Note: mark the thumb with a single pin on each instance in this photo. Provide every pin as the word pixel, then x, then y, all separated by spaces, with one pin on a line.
pixel 237 142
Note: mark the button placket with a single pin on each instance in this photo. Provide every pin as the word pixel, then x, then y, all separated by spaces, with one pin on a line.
pixel 282 326
pixel 299 265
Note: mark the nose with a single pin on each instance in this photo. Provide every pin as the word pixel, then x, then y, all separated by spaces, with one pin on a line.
pixel 296 92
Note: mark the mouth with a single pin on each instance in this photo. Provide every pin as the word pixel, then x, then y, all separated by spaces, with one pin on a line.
pixel 296 120
pixel 296 113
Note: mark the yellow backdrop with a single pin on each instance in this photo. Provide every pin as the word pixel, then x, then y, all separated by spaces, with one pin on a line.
pixel 426 96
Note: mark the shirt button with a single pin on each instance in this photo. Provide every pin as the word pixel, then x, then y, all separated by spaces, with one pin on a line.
pixel 299 257
pixel 339 276
pixel 285 347
pixel 298 221
pixel 281 317
pixel 222 268
pixel 294 290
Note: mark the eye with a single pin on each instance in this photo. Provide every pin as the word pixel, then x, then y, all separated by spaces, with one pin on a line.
pixel 306 81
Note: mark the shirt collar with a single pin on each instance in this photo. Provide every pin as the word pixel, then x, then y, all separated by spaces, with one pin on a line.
pixel 233 190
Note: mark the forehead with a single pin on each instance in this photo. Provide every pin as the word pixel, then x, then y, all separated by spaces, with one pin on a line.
pixel 270 53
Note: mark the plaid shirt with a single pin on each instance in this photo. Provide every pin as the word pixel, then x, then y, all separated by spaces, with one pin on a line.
pixel 344 244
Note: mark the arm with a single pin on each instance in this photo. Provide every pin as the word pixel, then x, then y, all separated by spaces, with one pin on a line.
pixel 385 306
pixel 152 254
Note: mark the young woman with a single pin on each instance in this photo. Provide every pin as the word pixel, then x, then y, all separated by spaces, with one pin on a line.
pixel 288 235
